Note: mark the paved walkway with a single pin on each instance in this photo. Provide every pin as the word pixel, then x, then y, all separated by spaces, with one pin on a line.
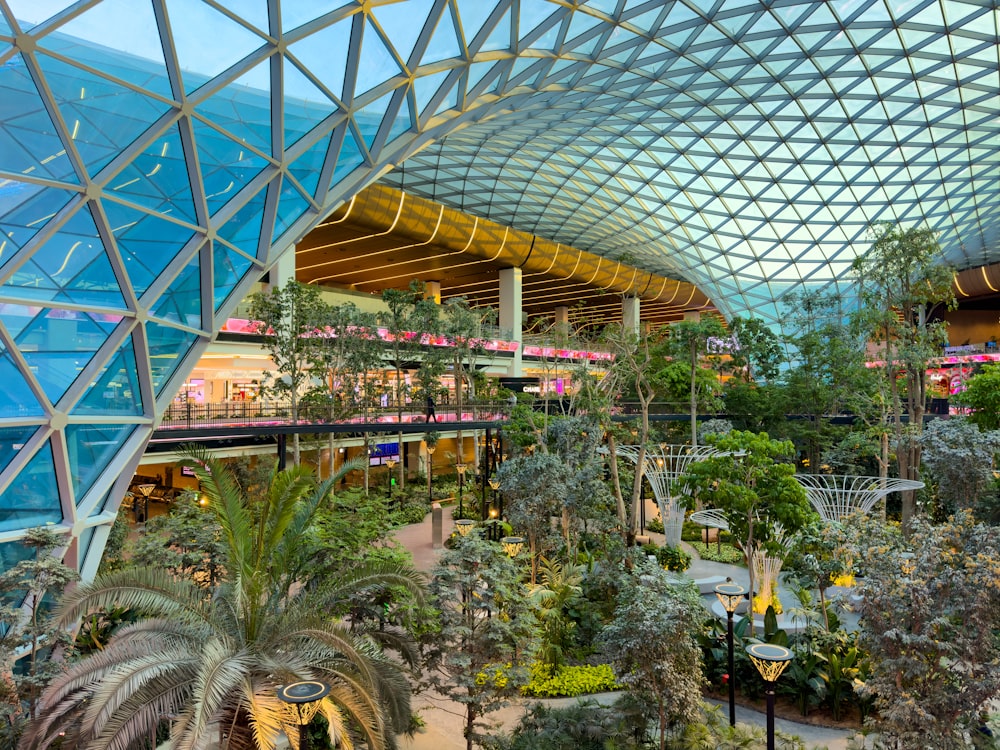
pixel 445 719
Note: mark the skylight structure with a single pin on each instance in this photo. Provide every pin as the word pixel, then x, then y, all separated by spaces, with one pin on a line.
pixel 157 157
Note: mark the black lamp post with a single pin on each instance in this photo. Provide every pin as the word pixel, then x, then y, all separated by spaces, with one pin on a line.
pixel 391 464
pixel 146 490
pixel 730 594
pixel 302 700
pixel 770 660
pixel 460 468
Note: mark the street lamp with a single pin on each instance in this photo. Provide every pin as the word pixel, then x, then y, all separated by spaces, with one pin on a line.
pixel 497 497
pixel 391 463
pixel 464 526
pixel 460 468
pixel 730 594
pixel 512 545
pixel 146 490
pixel 492 535
pixel 430 471
pixel 770 660
pixel 302 700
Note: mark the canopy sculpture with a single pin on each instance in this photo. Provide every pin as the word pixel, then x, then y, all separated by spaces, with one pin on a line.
pixel 836 496
pixel 711 517
pixel 663 464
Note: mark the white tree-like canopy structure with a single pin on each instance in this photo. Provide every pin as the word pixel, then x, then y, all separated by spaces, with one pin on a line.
pixel 662 465
pixel 836 496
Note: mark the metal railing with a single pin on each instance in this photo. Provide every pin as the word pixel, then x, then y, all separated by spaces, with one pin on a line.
pixel 269 413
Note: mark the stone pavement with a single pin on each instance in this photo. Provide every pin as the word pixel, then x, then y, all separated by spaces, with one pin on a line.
pixel 445 721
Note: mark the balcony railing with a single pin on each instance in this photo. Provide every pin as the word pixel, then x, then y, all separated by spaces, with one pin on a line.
pixel 271 413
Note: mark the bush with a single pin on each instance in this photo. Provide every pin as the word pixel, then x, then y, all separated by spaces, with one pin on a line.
pixel 569 681
pixel 670 558
pixel 410 513
pixel 712 551
pixel 655 525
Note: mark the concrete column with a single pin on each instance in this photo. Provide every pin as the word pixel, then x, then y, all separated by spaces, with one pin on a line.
pixel 692 316
pixel 437 526
pixel 283 271
pixel 630 315
pixel 432 290
pixel 510 314
pixel 562 320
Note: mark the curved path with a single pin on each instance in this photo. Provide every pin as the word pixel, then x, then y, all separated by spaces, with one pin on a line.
pixel 444 718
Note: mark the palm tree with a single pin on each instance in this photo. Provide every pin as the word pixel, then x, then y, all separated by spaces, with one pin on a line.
pixel 213 662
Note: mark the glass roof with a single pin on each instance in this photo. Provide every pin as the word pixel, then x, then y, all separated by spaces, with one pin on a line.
pixel 152 165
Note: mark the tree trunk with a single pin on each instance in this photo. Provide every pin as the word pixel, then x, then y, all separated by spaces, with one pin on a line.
pixel 616 483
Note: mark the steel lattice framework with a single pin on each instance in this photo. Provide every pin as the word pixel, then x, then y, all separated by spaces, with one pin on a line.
pixel 836 496
pixel 156 157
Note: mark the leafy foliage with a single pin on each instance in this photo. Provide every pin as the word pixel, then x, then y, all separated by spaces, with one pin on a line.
pixel 569 680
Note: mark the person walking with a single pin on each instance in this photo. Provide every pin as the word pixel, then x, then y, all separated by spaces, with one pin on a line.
pixel 430 409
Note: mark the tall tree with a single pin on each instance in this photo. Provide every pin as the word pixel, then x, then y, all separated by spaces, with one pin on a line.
pixel 653 648
pixel 288 319
pixel 752 483
pixel 959 457
pixel 929 620
pixel 982 397
pixel 26 631
pixel 486 630
pixel 214 662
pixel 902 280
pixel 688 345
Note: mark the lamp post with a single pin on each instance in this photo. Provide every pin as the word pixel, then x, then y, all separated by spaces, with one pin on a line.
pixel 730 594
pixel 512 545
pixel 492 533
pixel 770 660
pixel 146 490
pixel 430 471
pixel 497 497
pixel 302 700
pixel 391 463
pixel 460 468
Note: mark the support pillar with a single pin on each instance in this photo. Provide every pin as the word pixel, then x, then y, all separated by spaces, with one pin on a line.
pixel 630 315
pixel 562 321
pixel 432 290
pixel 511 314
pixel 692 316
pixel 283 271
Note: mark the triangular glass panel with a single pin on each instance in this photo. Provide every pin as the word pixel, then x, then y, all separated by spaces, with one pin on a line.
pixel 158 179
pixel 26 130
pixel 32 498
pixel 16 397
pixel 181 302
pixel 479 70
pixel 376 64
pixel 207 41
pixel 146 242
pixel 307 166
pixel 370 118
pixel 351 157
pixel 473 14
pixel 254 12
pixel 167 346
pixel 25 209
pixel 57 344
pixel 313 52
pixel 91 448
pixel 443 44
pixel 30 13
pixel 226 165
pixel 243 108
pixel 243 230
pixel 12 440
pixel 229 268
pixel 115 391
pixel 118 38
pixel 404 28
pixel 4 26
pixel 305 105
pixel 71 266
pixel 499 38
pixel 291 206
pixel 83 543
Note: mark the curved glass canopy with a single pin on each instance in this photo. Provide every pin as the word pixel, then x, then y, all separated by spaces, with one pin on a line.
pixel 156 158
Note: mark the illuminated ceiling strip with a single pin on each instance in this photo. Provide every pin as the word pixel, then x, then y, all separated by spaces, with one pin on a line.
pixel 959 286
pixel 986 278
pixel 399 213
pixel 347 213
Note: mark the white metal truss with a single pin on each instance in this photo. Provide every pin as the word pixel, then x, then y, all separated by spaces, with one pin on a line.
pixel 836 496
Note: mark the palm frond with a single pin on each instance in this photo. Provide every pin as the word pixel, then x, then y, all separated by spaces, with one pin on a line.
pixel 151 591
pixel 217 690
pixel 267 713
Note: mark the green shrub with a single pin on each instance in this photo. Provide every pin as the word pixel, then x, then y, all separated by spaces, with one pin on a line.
pixel 569 681
pixel 670 558
pixel 655 525
pixel 712 551
pixel 410 513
